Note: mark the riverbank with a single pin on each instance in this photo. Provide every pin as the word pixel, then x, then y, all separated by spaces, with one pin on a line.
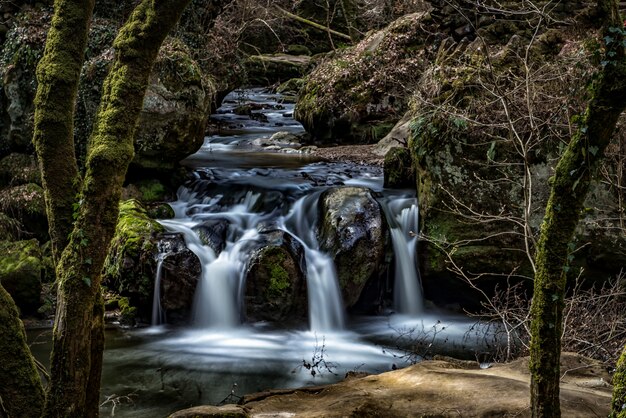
pixel 438 388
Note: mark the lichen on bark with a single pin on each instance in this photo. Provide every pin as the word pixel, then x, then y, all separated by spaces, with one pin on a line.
pixel 618 406
pixel 75 358
pixel 569 188
pixel 21 390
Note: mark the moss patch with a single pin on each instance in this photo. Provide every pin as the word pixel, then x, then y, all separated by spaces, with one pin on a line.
pixel 20 272
pixel 130 265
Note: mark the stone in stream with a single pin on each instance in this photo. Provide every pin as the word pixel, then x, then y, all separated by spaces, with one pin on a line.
pixel 275 285
pixel 130 266
pixel 354 231
pixel 179 276
pixel 213 232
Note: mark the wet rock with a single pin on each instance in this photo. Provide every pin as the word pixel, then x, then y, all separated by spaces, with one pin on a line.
pixel 25 203
pixel 21 270
pixel 130 266
pixel 398 169
pixel 353 230
pixel 180 273
pixel 213 233
pixel 275 284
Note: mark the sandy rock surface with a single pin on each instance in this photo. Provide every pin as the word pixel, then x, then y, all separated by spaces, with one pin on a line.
pixel 438 388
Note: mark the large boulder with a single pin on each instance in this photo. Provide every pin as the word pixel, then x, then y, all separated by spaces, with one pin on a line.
pixel 359 93
pixel 180 94
pixel 177 103
pixel 275 283
pixel 354 231
pixel 483 172
pixel 21 270
pixel 130 267
pixel 180 272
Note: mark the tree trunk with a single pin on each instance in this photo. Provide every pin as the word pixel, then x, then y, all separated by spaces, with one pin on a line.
pixel 111 150
pixel 618 406
pixel 58 74
pixel 21 392
pixel 569 189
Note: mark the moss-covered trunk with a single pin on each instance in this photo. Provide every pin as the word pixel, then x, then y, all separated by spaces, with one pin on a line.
pixel 618 406
pixel 569 189
pixel 21 392
pixel 58 74
pixel 75 362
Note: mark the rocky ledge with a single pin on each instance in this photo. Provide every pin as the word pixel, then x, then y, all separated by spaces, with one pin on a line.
pixel 443 387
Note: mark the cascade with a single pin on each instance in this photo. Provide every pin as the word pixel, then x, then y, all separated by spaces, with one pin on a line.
pixel 402 216
pixel 158 316
pixel 219 294
pixel 326 311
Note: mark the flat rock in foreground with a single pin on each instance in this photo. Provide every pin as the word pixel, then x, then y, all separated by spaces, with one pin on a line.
pixel 441 388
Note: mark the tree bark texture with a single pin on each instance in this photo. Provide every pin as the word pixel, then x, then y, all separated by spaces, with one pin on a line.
pixel 58 74
pixel 75 360
pixel 618 406
pixel 20 386
pixel 569 188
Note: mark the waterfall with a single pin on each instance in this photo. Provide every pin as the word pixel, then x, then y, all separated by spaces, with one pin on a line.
pixel 158 316
pixel 402 216
pixel 219 293
pixel 326 310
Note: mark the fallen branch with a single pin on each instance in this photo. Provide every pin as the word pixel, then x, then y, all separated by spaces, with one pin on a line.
pixel 313 24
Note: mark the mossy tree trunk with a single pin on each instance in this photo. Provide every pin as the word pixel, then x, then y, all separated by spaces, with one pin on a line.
pixel 76 362
pixel 569 188
pixel 618 406
pixel 58 74
pixel 20 387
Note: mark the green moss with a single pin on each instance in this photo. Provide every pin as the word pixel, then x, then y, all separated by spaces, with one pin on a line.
pixel 618 405
pixel 20 272
pixel 127 267
pixel 279 282
pixel 128 313
pixel 152 191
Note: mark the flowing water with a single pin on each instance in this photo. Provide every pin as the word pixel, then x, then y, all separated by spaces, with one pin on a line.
pixel 162 369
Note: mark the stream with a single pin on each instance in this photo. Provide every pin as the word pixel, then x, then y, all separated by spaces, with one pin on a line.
pixel 257 185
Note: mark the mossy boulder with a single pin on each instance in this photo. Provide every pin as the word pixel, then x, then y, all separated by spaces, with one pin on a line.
pixel 180 272
pixel 354 231
pixel 483 173
pixel 130 267
pixel 275 281
pixel 21 270
pixel 26 204
pixel 17 169
pixel 398 169
pixel 177 103
pixel 357 94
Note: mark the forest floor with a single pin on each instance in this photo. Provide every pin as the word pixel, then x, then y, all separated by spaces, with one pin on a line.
pixel 436 388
